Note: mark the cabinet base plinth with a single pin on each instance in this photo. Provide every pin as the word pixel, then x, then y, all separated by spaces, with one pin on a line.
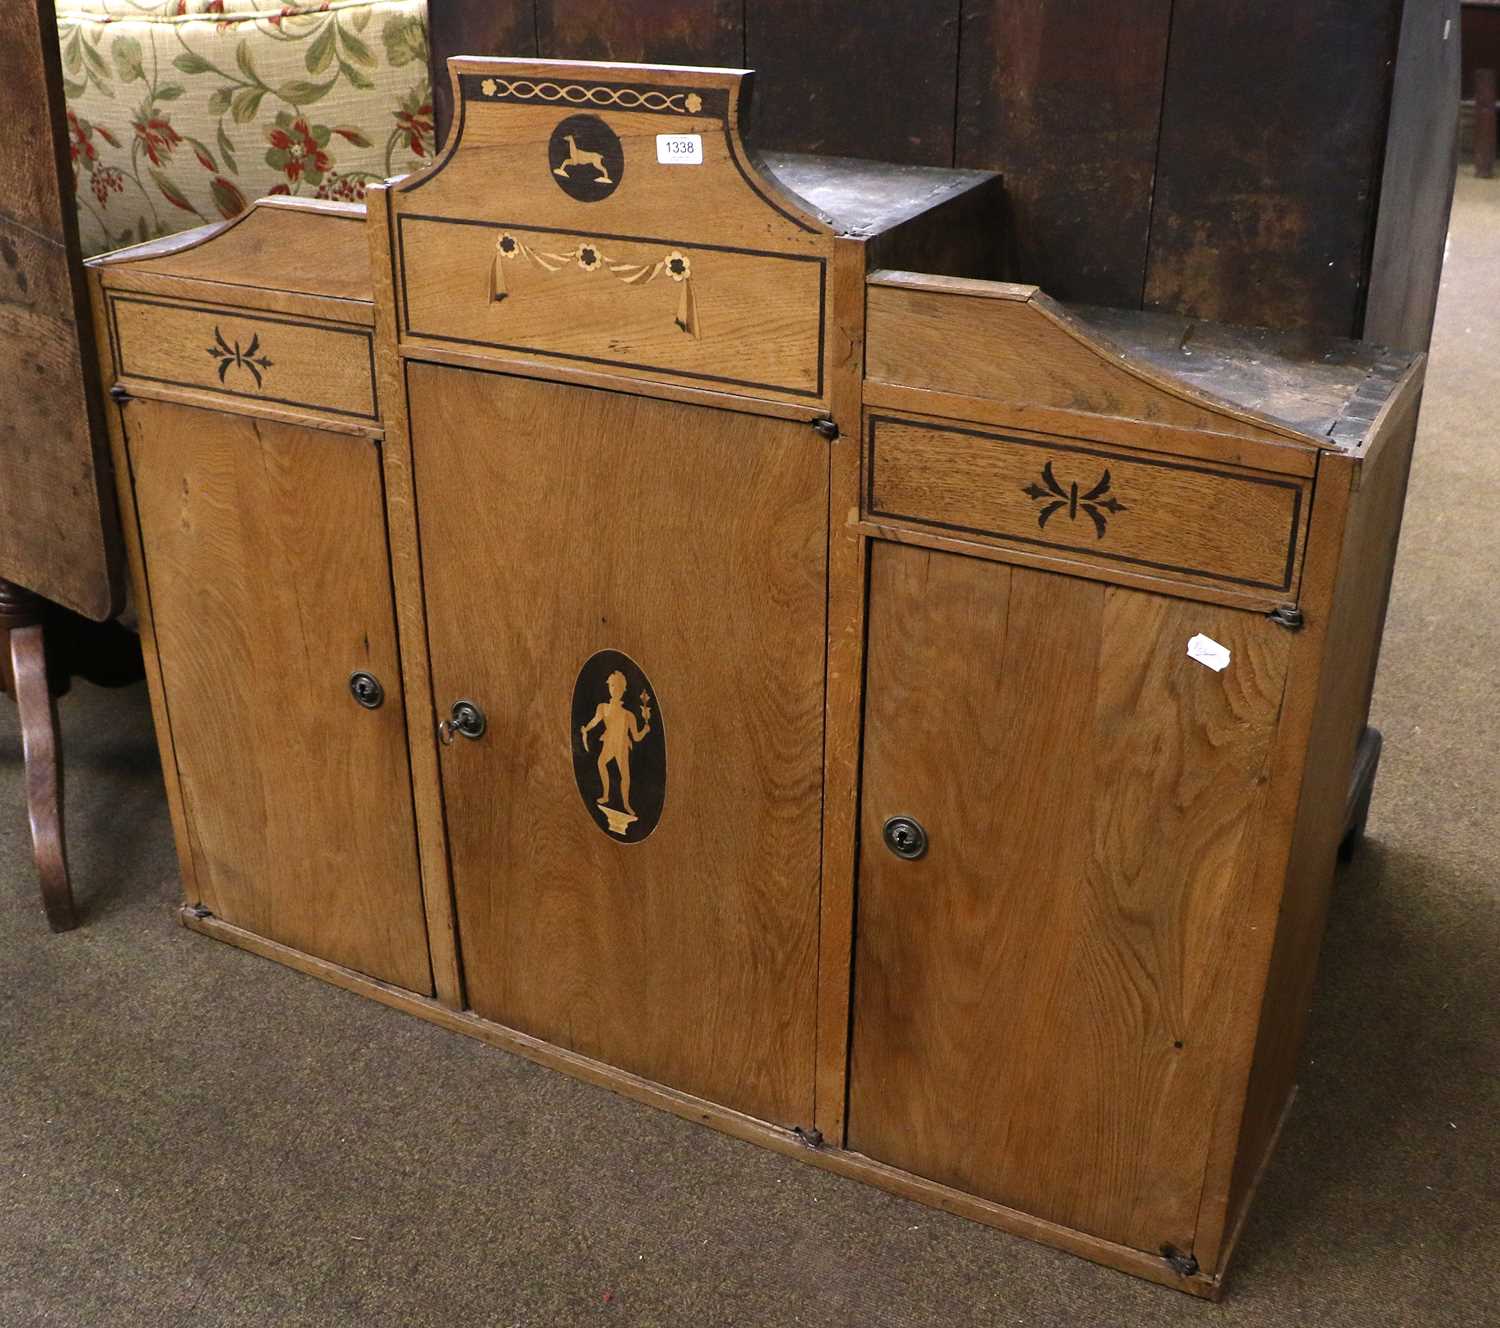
pixel 786 1141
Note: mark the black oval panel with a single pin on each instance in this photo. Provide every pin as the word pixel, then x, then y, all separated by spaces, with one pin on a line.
pixel 586 158
pixel 619 746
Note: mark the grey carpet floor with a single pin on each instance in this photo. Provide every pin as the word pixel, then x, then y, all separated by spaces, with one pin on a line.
pixel 189 1135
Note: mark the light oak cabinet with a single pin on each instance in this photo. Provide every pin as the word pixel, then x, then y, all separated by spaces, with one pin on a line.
pixel 881 714
pixel 264 589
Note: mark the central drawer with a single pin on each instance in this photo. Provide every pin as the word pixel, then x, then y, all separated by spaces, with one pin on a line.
pixel 724 316
pixel 1186 519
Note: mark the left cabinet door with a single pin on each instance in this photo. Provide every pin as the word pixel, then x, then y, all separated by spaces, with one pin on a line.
pixel 268 578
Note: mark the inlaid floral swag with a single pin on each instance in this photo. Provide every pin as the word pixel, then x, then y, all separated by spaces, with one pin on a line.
pixel 587 256
pixel 181 111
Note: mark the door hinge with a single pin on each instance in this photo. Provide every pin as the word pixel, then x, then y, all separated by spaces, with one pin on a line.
pixel 118 393
pixel 1179 1261
pixel 809 1135
pixel 1288 616
pixel 827 428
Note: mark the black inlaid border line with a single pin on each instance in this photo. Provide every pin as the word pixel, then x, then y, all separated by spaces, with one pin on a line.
pixel 821 261
pixel 248 315
pixel 1296 488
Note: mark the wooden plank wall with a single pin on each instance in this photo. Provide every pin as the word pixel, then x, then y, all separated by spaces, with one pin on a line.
pixel 1221 158
pixel 1416 185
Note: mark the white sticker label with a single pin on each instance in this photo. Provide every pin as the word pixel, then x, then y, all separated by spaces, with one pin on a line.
pixel 1209 653
pixel 679 149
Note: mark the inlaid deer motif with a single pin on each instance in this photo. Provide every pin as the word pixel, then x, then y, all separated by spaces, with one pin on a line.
pixel 577 157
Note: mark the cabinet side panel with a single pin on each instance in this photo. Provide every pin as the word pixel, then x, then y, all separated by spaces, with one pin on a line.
pixel 1038 1010
pixel 1354 631
pixel 265 560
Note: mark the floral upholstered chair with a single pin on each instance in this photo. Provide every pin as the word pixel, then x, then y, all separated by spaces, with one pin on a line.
pixel 181 111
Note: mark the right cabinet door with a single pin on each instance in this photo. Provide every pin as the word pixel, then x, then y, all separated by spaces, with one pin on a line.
pixel 1040 998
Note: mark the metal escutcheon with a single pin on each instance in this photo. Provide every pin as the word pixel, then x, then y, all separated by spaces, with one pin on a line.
pixel 465 720
pixel 905 837
pixel 366 689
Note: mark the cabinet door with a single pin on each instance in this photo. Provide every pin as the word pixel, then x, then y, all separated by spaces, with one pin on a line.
pixel 1039 999
pixel 559 523
pixel 269 584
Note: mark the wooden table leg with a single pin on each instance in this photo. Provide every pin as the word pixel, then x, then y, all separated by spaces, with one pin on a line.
pixel 23 673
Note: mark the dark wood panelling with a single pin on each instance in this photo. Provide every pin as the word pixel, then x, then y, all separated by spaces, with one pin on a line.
pixel 58 534
pixel 1416 186
pixel 1065 101
pixel 1272 138
pixel 1481 41
pixel 872 79
pixel 494 27
pixel 669 32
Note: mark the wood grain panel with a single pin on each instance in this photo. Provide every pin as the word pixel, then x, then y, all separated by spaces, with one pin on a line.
pixel 59 535
pixel 1038 1009
pixel 247 354
pixel 1265 190
pixel 756 320
pixel 872 79
pixel 665 32
pixel 1196 521
pixel 558 521
pixel 1353 648
pixel 1066 101
pixel 277 247
pixel 267 582
pixel 1012 344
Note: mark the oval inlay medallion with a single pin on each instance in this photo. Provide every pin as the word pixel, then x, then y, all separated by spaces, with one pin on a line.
pixel 586 158
pixel 619 746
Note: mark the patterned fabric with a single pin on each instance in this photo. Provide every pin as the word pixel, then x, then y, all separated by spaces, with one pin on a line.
pixel 183 110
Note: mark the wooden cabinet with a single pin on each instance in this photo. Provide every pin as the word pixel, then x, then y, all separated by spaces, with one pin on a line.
pixel 884 715
pixel 264 580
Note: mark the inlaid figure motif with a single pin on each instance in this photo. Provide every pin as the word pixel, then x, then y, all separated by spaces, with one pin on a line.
pixel 621 733
pixel 577 157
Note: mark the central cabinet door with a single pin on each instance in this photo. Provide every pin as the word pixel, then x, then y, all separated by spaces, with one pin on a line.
pixel 631 588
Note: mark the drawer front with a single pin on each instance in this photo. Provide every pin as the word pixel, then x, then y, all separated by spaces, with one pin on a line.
pixel 246 354
pixel 1185 519
pixel 739 319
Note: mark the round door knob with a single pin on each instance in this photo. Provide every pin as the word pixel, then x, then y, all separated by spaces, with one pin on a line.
pixel 366 689
pixel 905 837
